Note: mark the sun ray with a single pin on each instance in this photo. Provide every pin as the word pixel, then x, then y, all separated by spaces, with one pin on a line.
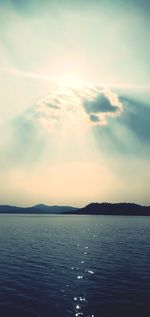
pixel 72 80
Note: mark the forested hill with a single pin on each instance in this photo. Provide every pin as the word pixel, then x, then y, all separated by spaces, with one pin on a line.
pixel 113 209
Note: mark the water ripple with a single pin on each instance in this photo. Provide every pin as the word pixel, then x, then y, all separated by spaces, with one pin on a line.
pixel 74 266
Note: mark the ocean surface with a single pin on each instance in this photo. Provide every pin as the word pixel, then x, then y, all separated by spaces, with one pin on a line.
pixel 63 266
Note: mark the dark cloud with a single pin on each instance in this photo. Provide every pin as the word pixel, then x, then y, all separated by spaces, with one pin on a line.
pixel 94 118
pixel 137 118
pixel 100 104
pixel 50 105
pixel 129 133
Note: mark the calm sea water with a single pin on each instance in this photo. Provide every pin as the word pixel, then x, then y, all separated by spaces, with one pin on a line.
pixel 61 266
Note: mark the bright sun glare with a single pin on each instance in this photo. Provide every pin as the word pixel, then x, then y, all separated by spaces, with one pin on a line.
pixel 70 79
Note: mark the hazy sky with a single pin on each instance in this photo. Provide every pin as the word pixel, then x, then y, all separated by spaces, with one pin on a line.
pixel 74 98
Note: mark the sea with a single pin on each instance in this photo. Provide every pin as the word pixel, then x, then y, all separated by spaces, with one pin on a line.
pixel 71 265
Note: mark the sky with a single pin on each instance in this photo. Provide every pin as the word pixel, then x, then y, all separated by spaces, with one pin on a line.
pixel 74 102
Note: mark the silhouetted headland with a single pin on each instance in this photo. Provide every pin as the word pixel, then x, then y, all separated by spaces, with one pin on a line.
pixel 129 209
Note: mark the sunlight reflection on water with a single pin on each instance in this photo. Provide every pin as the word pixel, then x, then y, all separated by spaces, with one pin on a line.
pixel 81 299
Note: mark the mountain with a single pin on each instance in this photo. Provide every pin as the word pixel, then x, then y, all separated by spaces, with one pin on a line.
pixel 37 209
pixel 91 209
pixel 129 209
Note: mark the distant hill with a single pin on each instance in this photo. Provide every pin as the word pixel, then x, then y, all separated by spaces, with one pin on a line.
pixel 38 209
pixel 113 209
pixel 91 209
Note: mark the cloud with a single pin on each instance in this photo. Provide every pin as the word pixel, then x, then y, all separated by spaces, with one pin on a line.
pixel 137 118
pixel 104 105
pixel 94 118
pixel 86 105
pixel 66 117
pixel 129 133
pixel 57 141
pixel 100 104
pixel 57 123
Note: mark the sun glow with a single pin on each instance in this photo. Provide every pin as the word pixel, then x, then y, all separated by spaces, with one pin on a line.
pixel 70 79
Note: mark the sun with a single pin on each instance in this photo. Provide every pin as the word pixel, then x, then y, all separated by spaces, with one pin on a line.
pixel 70 79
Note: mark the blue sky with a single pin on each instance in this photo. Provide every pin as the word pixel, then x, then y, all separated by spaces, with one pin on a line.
pixel 75 111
